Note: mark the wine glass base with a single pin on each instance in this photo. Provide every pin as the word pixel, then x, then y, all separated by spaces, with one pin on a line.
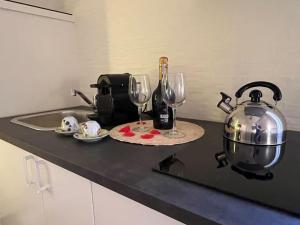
pixel 174 134
pixel 141 129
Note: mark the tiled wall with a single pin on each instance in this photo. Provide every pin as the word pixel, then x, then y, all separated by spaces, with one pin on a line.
pixel 219 45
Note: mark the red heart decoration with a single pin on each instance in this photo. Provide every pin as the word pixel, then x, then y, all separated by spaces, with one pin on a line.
pixel 147 136
pixel 125 129
pixel 129 134
pixel 155 132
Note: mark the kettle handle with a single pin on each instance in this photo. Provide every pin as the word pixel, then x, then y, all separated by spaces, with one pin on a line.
pixel 277 93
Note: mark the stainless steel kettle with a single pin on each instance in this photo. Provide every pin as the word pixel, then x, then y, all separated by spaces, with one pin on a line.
pixel 254 121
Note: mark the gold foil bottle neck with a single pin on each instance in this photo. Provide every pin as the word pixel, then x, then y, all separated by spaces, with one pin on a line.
pixel 163 67
pixel 163 60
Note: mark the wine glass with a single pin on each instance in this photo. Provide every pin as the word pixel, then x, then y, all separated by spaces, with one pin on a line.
pixel 139 92
pixel 173 93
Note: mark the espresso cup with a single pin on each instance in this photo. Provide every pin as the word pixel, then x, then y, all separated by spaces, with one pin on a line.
pixel 90 129
pixel 69 124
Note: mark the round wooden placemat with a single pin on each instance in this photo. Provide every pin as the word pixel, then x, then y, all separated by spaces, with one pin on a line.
pixel 192 132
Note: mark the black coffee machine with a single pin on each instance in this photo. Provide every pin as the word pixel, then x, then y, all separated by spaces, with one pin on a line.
pixel 112 102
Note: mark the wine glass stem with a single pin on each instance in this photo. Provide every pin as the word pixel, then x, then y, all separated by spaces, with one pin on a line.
pixel 140 116
pixel 174 120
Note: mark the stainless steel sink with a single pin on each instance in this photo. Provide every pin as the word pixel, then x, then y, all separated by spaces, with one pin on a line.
pixel 51 120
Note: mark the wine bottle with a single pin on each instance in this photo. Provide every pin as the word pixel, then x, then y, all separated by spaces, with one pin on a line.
pixel 162 114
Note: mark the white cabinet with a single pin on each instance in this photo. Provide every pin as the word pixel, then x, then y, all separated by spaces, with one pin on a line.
pixel 112 208
pixel 54 197
pixel 19 203
pixel 69 199
pixel 34 191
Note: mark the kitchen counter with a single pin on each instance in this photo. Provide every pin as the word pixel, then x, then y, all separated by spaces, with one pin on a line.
pixel 127 170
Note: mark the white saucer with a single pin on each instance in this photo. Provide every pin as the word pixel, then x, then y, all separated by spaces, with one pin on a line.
pixel 64 132
pixel 81 137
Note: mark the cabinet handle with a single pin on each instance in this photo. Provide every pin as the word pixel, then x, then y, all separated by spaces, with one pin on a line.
pixel 27 179
pixel 40 186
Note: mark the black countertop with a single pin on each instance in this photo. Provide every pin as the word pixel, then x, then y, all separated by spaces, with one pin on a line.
pixel 127 169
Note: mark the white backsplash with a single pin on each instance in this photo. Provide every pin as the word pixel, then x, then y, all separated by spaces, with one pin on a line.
pixel 219 45
pixel 38 63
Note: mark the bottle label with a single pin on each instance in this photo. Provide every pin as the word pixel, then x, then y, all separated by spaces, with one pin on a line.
pixel 164 118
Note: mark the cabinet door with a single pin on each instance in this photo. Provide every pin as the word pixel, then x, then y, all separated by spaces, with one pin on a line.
pixel 112 208
pixel 68 201
pixel 19 202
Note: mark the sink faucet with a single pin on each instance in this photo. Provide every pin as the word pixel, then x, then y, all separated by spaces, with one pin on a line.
pixel 75 92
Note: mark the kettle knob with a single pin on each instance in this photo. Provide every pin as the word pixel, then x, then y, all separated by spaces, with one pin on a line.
pixel 255 95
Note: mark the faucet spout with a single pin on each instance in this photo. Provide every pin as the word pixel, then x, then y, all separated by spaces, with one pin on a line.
pixel 75 92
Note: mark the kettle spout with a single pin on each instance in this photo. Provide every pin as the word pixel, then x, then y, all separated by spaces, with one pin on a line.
pixel 224 104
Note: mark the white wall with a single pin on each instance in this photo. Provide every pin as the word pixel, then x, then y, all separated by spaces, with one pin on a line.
pixel 219 44
pixel 38 63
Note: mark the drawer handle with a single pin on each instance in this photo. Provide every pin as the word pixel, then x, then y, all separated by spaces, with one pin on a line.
pixel 40 186
pixel 27 179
